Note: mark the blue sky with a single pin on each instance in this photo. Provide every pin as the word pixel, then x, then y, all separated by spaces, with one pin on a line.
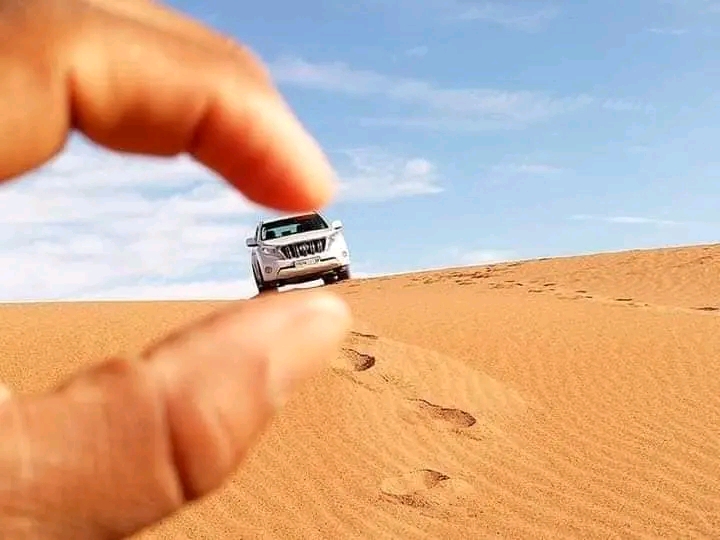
pixel 462 132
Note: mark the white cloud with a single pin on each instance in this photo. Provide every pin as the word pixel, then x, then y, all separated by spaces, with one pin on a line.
pixel 373 175
pixel 85 183
pixel 511 16
pixel 91 222
pixel 437 106
pixel 193 290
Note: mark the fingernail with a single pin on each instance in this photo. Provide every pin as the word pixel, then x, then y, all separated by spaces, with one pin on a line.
pixel 309 339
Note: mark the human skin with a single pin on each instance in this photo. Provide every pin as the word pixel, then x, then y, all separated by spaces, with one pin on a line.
pixel 128 441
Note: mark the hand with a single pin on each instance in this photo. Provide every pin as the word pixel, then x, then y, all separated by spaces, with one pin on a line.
pixel 128 441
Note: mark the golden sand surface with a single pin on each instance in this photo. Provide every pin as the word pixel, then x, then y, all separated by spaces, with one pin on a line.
pixel 561 398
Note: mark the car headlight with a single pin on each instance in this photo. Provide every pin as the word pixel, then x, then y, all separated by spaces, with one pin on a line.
pixel 331 239
pixel 270 251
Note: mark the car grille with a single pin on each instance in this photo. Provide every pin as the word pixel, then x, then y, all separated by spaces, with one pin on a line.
pixel 303 249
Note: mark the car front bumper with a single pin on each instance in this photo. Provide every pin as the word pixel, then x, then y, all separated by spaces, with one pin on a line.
pixel 289 271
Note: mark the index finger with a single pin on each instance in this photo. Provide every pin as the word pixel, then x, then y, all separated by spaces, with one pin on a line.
pixel 131 86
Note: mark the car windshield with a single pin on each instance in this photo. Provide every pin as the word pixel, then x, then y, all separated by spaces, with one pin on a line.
pixel 293 225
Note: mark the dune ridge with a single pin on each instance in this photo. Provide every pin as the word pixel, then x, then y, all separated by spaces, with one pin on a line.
pixel 561 398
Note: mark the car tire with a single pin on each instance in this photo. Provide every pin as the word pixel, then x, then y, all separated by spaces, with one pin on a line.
pixel 263 287
pixel 343 274
pixel 327 280
pixel 266 287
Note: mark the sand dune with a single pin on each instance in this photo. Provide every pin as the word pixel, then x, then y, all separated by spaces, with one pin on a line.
pixel 563 398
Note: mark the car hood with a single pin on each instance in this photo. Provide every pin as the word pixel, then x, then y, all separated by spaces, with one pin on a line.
pixel 301 237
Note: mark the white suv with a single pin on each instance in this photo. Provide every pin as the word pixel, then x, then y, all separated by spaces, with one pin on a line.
pixel 298 248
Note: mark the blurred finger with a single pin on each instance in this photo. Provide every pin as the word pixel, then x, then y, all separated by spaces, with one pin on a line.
pixel 133 87
pixel 126 443
pixel 5 393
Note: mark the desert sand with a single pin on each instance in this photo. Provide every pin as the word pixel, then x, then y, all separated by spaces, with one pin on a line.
pixel 561 398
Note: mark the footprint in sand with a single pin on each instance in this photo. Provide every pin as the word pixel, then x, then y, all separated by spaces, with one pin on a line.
pixel 353 360
pixel 371 337
pixel 447 416
pixel 357 357
pixel 426 488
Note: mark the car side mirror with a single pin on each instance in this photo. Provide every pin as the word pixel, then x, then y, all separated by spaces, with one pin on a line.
pixel 336 225
pixel 250 242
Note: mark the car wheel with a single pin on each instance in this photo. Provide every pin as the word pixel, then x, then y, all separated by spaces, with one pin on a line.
pixel 327 280
pixel 267 287
pixel 260 284
pixel 343 274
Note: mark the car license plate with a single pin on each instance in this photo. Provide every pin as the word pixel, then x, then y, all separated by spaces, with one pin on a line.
pixel 307 262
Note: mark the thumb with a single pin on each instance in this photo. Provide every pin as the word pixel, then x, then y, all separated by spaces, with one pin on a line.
pixel 127 442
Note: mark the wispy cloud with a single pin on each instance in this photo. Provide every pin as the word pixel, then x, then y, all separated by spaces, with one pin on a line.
pixel 419 51
pixel 510 15
pixel 449 123
pixel 439 107
pixel 526 168
pixel 626 220
pixel 514 15
pixel 628 105
pixel 668 31
pixel 374 175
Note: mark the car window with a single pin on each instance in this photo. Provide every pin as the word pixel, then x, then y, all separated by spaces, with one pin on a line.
pixel 294 225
